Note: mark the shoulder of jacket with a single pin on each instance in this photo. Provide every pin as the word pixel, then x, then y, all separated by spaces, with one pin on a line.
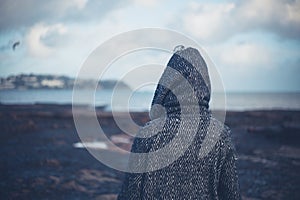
pixel 225 140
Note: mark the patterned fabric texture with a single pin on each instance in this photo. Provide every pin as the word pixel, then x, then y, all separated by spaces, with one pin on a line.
pixel 189 176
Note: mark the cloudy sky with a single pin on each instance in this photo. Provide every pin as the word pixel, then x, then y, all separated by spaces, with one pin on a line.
pixel 254 44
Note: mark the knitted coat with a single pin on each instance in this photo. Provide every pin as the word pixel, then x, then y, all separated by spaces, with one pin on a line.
pixel 190 174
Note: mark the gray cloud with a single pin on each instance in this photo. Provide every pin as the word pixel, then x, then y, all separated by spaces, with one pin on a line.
pixel 281 16
pixel 22 14
pixel 218 21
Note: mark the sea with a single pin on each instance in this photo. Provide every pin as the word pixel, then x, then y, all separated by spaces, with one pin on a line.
pixel 141 100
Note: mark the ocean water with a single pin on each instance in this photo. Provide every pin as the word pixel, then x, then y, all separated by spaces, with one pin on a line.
pixel 141 100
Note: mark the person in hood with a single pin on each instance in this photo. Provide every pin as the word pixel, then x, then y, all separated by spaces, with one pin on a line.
pixel 198 160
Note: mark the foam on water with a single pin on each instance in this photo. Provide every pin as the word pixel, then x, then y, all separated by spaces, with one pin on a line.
pixel 92 145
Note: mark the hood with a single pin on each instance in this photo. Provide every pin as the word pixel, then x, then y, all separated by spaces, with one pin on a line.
pixel 186 66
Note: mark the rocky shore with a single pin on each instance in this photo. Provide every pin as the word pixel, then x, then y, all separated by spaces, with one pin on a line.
pixel 39 159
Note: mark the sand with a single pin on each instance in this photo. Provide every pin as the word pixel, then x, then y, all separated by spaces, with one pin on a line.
pixel 40 159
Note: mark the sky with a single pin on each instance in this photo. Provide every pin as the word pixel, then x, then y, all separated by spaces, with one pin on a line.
pixel 254 44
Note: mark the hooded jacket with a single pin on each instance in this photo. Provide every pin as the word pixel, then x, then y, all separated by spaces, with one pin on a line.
pixel 200 160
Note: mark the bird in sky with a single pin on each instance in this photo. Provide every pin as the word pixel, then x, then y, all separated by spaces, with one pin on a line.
pixel 14 46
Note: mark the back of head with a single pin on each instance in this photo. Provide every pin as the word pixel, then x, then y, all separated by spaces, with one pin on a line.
pixel 186 65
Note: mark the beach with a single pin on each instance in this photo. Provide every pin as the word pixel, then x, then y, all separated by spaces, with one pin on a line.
pixel 39 159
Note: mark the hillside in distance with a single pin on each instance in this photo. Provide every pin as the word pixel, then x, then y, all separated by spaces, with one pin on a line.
pixel 34 81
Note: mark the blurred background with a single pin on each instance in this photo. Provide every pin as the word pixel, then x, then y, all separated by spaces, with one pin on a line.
pixel 254 44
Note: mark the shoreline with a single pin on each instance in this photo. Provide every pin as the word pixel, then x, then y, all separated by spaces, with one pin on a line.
pixel 103 107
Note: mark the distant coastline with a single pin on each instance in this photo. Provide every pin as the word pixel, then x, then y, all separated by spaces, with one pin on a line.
pixel 35 81
pixel 53 89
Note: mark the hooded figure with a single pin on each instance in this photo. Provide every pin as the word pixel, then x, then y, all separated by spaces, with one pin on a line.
pixel 198 160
